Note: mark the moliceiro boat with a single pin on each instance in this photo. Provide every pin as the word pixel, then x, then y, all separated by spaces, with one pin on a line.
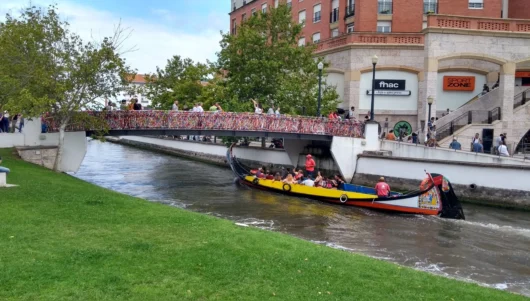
pixel 435 195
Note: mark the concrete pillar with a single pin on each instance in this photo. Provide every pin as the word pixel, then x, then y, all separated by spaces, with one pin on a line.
pixel 352 82
pixel 507 87
pixel 371 136
pixel 293 148
pixel 263 142
pixel 430 83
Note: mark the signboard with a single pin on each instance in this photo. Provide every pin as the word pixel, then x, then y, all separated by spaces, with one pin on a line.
pixel 402 127
pixel 390 84
pixel 519 74
pixel 389 92
pixel 459 83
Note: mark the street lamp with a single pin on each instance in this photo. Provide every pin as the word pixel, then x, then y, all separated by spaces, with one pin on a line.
pixel 320 67
pixel 374 62
pixel 430 100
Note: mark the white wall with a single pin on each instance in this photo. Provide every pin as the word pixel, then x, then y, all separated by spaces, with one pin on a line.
pixel 255 154
pixel 395 103
pixel 337 80
pixel 454 99
pixel 512 178
pixel 408 150
pixel 75 147
pixel 11 140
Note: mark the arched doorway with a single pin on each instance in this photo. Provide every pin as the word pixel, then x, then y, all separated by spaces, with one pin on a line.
pixel 524 145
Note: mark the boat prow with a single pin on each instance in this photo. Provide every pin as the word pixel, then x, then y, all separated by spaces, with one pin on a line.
pixel 435 195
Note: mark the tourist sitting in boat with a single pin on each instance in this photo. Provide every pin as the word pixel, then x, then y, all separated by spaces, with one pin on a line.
pixel 260 173
pixel 308 182
pixel 318 179
pixel 382 188
pixel 333 183
pixel 277 177
pixel 269 176
pixel 298 175
pixel 340 181
pixel 290 179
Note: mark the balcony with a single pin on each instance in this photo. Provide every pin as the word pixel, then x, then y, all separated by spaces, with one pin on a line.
pixel 430 8
pixel 317 17
pixel 334 16
pixel 398 39
pixel 384 7
pixel 350 11
pixel 475 23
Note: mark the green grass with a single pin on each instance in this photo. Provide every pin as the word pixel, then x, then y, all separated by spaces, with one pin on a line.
pixel 64 239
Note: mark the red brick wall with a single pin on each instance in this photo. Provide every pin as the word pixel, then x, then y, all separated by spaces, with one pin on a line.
pixel 407 15
pixel 519 9
pixel 492 8
pixel 366 15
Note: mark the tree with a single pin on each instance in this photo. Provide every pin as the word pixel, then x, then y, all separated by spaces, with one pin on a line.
pixel 179 80
pixel 264 62
pixel 52 70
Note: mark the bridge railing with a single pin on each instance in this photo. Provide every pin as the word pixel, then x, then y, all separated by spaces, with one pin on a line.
pixel 171 120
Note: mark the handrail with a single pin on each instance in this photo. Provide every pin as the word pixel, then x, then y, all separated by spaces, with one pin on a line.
pixel 477 117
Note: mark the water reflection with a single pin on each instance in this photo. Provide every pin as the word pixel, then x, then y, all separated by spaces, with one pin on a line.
pixel 491 247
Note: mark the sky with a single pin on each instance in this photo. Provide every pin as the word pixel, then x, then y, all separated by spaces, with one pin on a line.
pixel 159 29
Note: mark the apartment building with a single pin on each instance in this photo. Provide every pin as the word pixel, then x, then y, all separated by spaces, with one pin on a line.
pixel 325 19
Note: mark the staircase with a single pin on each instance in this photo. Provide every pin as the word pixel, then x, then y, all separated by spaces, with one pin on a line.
pixel 483 110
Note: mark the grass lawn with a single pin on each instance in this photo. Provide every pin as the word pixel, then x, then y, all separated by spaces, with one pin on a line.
pixel 64 239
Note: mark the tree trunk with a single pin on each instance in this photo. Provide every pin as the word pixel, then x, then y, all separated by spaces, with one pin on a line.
pixel 60 147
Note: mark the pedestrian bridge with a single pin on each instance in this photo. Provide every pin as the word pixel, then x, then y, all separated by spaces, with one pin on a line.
pixel 153 123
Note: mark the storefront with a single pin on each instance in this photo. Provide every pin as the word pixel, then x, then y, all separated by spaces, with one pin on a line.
pixel 522 78
pixel 457 88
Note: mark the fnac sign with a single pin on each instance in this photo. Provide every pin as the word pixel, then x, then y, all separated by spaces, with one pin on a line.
pixel 459 83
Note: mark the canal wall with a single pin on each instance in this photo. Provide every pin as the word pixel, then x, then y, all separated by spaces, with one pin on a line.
pixel 207 152
pixel 490 184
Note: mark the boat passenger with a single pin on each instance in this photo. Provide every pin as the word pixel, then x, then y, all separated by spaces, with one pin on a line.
pixel 318 180
pixel 290 179
pixel 298 175
pixel 277 177
pixel 382 188
pixel 332 183
pixel 308 182
pixel 269 176
pixel 260 173
pixel 340 181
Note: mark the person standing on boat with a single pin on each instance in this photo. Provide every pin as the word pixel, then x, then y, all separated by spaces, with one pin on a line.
pixel 382 188
pixel 310 166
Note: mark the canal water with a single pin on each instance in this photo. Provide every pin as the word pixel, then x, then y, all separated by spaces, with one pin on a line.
pixel 492 247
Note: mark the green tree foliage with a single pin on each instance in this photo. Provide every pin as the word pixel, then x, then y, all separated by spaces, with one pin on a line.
pixel 179 80
pixel 47 68
pixel 264 62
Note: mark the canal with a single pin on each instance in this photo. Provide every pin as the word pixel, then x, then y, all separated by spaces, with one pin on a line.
pixel 492 247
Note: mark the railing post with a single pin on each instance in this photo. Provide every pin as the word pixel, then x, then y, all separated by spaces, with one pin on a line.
pixel 451 128
pixel 524 98
pixel 500 113
pixel 469 117
pixel 490 117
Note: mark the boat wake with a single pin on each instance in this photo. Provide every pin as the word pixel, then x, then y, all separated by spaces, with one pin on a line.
pixel 508 229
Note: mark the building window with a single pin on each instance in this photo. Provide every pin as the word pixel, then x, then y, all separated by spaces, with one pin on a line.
pixel 301 42
pixel 301 18
pixel 430 6
pixel 316 13
pixel 384 26
pixel 253 11
pixel 350 28
pixel 334 16
pixel 384 7
pixel 316 37
pixel 264 8
pixel 335 32
pixel 234 26
pixel 350 9
pixel 276 3
pixel 289 3
pixel 476 4
pixel 243 17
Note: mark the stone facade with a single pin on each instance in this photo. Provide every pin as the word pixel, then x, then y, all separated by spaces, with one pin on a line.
pixel 43 156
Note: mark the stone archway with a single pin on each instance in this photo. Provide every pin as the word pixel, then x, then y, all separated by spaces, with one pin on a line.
pixel 474 56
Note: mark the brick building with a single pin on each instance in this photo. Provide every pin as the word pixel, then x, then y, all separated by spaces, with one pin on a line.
pixel 425 47
pixel 324 19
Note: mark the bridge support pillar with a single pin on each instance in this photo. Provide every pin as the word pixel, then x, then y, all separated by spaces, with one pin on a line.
pixel 345 150
pixel 293 148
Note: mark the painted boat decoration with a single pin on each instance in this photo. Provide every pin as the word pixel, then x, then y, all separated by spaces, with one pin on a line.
pixel 435 196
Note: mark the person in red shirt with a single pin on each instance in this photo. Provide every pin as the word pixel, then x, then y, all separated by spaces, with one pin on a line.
pixel 310 166
pixel 382 188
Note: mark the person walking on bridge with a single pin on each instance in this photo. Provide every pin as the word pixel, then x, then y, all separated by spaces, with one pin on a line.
pixel 310 166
